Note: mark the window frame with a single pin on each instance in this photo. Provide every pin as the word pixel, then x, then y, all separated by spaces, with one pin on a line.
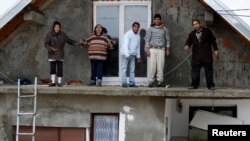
pixel 122 4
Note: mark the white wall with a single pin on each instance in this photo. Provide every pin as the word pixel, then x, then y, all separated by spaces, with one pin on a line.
pixel 179 121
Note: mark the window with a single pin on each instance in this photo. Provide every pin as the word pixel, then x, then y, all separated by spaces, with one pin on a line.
pixel 117 18
pixel 105 127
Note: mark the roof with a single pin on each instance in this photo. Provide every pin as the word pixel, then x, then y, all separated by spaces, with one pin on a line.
pixel 236 13
pixel 10 8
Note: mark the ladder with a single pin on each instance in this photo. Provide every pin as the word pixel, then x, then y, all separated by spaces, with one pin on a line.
pixel 31 114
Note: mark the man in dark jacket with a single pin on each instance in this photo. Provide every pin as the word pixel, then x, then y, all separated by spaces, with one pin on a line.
pixel 55 42
pixel 202 41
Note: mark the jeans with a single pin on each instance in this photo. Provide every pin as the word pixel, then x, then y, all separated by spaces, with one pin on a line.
pixel 128 64
pixel 56 67
pixel 208 67
pixel 97 67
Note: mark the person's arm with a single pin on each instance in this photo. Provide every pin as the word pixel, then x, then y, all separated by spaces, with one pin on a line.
pixel 148 39
pixel 188 43
pixel 125 45
pixel 71 42
pixel 110 44
pixel 47 43
pixel 167 39
pixel 213 43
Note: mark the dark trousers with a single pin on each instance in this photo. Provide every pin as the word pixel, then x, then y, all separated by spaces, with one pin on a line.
pixel 56 67
pixel 97 67
pixel 208 67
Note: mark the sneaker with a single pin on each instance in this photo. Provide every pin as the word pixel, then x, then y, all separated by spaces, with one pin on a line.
pixel 99 84
pixel 124 85
pixel 192 87
pixel 211 88
pixel 132 86
pixel 52 84
pixel 60 85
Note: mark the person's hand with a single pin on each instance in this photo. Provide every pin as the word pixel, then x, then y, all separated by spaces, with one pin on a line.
pixel 148 52
pixel 138 60
pixel 127 57
pixel 167 52
pixel 53 49
pixel 186 47
pixel 114 42
pixel 81 42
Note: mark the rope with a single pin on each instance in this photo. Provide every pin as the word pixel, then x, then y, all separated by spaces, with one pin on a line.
pixel 179 65
pixel 13 82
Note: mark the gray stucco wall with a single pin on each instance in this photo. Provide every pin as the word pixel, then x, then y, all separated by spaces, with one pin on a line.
pixel 147 123
pixel 26 56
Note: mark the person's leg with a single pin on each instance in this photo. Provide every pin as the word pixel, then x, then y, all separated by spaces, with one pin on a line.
pixel 93 72
pixel 124 70
pixel 53 73
pixel 59 72
pixel 152 66
pixel 160 62
pixel 132 71
pixel 209 75
pixel 196 75
pixel 99 69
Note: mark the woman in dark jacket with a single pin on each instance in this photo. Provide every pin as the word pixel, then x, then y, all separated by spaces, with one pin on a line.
pixel 55 42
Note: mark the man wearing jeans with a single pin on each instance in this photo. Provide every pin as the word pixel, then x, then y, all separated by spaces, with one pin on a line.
pixel 157 44
pixel 130 51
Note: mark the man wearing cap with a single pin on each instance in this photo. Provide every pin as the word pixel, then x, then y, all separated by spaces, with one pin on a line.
pixel 157 45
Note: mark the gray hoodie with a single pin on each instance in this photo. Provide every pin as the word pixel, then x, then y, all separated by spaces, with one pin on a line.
pixel 157 36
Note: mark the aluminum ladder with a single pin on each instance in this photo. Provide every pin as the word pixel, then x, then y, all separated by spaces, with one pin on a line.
pixel 31 114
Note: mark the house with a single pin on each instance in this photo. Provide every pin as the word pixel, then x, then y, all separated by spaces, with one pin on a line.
pixel 142 114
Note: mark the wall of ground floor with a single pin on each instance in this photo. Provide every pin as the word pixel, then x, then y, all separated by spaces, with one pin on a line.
pixel 140 118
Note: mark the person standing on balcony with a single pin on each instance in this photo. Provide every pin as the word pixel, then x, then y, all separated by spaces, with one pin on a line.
pixel 54 43
pixel 130 51
pixel 203 44
pixel 98 44
pixel 157 45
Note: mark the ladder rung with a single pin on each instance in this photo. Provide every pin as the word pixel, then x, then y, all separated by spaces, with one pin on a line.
pixel 27 96
pixel 26 113
pixel 30 134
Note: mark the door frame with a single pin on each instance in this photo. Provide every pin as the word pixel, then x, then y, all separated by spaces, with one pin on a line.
pixel 117 80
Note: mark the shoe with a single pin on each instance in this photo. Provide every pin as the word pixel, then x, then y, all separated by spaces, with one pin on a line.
pixel 124 85
pixel 211 88
pixel 92 83
pixel 52 84
pixel 192 87
pixel 151 85
pixel 133 86
pixel 159 84
pixel 99 84
pixel 60 85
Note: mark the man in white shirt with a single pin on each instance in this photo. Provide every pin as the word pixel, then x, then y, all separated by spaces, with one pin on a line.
pixel 130 51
